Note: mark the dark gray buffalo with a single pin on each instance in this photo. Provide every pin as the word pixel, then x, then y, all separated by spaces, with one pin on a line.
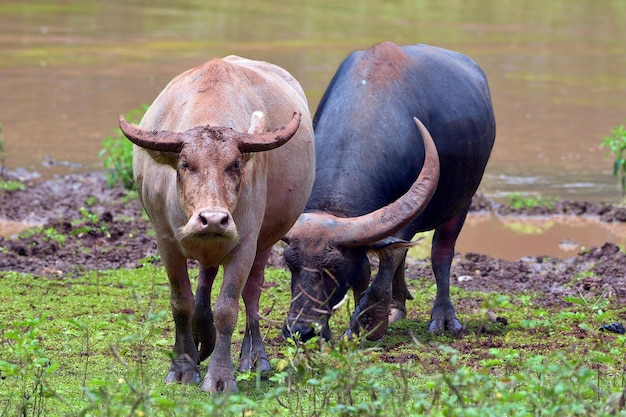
pixel 224 164
pixel 369 151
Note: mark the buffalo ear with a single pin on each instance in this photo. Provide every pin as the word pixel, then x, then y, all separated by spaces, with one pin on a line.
pixel 257 123
pixel 266 141
pixel 392 242
pixel 257 126
pixel 165 158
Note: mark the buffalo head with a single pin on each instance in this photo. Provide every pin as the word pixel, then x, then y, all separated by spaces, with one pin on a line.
pixel 210 163
pixel 326 254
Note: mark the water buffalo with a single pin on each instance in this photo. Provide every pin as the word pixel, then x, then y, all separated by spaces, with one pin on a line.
pixel 368 154
pixel 222 181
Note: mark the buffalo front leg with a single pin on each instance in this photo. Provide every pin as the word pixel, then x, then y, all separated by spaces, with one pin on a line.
pixel 184 367
pixel 442 316
pixel 400 292
pixel 371 314
pixel 252 349
pixel 202 320
pixel 220 375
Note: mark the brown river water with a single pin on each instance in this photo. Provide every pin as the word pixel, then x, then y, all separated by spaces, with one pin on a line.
pixel 556 70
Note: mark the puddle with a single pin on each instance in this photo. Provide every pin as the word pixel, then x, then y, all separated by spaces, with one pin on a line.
pixel 512 238
pixel 11 229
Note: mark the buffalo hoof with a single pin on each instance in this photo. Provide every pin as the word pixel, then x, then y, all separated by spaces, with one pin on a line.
pixel 253 356
pixel 376 330
pixel 256 362
pixel 441 325
pixel 215 384
pixel 183 371
pixel 395 314
pixel 348 334
pixel 372 323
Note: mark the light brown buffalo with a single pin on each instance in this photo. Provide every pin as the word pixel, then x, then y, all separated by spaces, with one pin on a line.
pixel 224 163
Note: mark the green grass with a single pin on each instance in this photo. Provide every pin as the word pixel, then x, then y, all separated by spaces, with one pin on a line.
pixel 519 201
pixel 64 350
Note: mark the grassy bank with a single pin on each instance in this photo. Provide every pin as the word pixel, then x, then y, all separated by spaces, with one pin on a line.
pixel 99 344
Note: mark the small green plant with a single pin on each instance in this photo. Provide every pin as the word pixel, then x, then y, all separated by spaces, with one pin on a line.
pixel 519 201
pixel 27 365
pixel 90 223
pixel 143 335
pixel 12 185
pixel 117 153
pixel 53 235
pixel 83 331
pixel 315 378
pixel 597 307
pixel 28 233
pixel 616 142
pixel 91 200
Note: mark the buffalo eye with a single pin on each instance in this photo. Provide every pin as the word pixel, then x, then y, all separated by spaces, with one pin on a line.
pixel 236 166
pixel 291 258
pixel 334 261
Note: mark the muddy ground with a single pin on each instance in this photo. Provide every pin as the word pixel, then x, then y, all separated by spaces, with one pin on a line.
pixel 87 225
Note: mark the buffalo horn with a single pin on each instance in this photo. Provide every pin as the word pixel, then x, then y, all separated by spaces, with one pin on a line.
pixel 160 141
pixel 372 227
pixel 260 142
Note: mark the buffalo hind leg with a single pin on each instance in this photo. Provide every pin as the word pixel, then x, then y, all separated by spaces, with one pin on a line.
pixel 202 321
pixel 252 349
pixel 442 316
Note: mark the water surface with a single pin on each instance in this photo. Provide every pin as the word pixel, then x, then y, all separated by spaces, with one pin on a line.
pixel 556 71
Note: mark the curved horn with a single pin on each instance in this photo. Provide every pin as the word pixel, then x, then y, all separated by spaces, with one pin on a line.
pixel 161 141
pixel 267 141
pixel 372 227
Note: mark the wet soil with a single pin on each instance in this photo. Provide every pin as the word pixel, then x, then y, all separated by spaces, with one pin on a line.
pixel 83 225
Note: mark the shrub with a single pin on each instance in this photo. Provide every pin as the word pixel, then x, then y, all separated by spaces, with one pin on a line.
pixel 27 367
pixel 616 142
pixel 117 153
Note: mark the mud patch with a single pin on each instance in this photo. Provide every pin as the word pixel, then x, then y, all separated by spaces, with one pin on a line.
pixel 85 226
pixel 80 225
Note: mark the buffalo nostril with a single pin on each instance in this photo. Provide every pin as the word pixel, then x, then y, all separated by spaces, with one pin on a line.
pixel 214 219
